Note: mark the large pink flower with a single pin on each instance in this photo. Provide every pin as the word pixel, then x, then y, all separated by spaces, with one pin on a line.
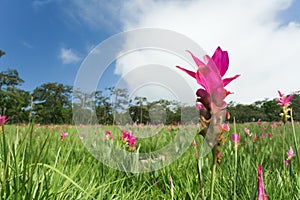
pixel 284 101
pixel 219 61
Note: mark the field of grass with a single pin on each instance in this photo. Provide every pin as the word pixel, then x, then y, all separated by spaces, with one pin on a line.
pixel 35 163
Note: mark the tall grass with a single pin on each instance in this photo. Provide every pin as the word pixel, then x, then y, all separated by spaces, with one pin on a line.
pixel 36 164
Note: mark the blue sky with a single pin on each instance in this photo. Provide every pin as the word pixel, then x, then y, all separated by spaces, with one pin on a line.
pixel 35 34
pixel 46 40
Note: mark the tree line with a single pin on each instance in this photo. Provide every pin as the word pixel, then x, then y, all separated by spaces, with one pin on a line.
pixel 51 103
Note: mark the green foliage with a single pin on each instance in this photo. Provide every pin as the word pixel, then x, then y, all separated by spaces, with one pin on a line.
pixel 37 164
pixel 52 103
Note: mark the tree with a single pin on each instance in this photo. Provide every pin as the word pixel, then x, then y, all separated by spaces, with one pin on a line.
pixel 120 100
pixel 296 106
pixel 52 103
pixel 10 78
pixel 140 102
pixel 103 108
pixel 2 53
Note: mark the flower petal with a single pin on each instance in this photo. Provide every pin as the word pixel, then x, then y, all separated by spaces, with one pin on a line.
pixel 192 74
pixel 226 81
pixel 289 98
pixel 196 59
pixel 221 60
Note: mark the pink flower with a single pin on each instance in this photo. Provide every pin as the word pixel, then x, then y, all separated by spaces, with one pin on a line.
pixel 125 136
pixel 209 76
pixel 263 135
pixel 270 135
pixel 219 60
pixel 82 135
pixel 3 120
pixel 63 135
pixel 219 154
pixel 225 127
pixel 132 141
pixel 259 123
pixel 235 138
pixel 195 144
pixel 261 187
pixel 284 101
pixel 247 131
pixel 290 153
pixel 107 133
pixel 286 162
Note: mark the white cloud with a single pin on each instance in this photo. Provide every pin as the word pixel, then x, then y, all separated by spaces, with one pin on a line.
pixel 40 3
pixel 68 56
pixel 97 14
pixel 262 48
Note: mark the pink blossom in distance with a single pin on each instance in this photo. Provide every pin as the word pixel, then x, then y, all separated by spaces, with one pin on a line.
pixel 63 135
pixel 235 138
pixel 3 119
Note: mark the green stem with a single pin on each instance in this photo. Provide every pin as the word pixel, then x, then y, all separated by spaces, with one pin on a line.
pixel 295 139
pixel 213 175
pixel 283 147
pixel 235 163
pixel 199 178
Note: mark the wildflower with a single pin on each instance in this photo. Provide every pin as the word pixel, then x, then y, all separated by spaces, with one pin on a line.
pixel 131 143
pixel 247 131
pixel 284 103
pixel 107 134
pixel 219 60
pixel 235 139
pixel 273 125
pixel 290 155
pixel 259 122
pixel 125 135
pixel 195 144
pixel 270 135
pixel 63 135
pixel 263 135
pixel 261 187
pixel 225 127
pixel 3 120
pixel 82 135
pixel 219 154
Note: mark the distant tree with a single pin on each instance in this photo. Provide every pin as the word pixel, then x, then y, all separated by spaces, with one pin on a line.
pixel 140 101
pixel 296 106
pixel 16 104
pixel 271 110
pixel 120 100
pixel 103 108
pixel 10 78
pixel 52 103
pixel 2 53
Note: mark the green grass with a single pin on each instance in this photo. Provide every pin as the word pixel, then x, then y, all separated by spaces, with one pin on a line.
pixel 36 164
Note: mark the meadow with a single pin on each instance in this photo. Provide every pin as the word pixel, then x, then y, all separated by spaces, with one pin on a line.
pixel 37 163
